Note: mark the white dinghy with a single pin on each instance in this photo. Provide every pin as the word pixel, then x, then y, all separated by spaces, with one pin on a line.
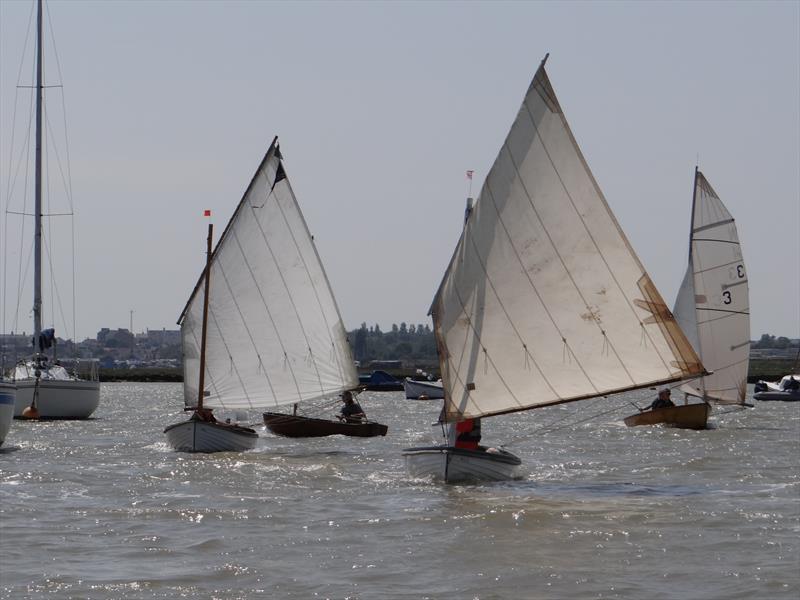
pixel 713 310
pixel 544 300
pixel 274 335
pixel 45 389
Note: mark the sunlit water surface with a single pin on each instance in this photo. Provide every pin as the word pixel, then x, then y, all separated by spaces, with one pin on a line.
pixel 104 509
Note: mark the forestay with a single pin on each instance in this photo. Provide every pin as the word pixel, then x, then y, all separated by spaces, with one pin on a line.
pixel 544 300
pixel 275 335
pixel 713 305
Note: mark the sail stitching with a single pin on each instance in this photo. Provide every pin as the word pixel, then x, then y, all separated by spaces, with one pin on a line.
pixel 500 301
pixel 588 234
pixel 244 321
pixel 555 248
pixel 291 299
pixel 234 368
pixel 728 264
pixel 310 279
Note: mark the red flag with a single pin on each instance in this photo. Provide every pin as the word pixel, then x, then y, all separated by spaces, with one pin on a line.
pixel 206 213
pixel 469 175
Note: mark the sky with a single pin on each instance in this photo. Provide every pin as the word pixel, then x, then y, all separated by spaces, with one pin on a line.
pixel 380 108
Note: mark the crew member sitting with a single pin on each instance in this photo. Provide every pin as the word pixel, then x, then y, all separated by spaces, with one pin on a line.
pixel 468 434
pixel 351 412
pixel 791 385
pixel 663 400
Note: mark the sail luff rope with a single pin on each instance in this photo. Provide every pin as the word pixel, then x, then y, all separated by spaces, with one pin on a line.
pixel 244 322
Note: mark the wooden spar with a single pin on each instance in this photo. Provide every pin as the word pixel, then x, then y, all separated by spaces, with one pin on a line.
pixel 207 274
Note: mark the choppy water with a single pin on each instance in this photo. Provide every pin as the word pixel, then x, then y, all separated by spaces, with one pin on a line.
pixel 104 509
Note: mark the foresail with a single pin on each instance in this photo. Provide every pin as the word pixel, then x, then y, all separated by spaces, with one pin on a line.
pixel 275 335
pixel 544 300
pixel 720 305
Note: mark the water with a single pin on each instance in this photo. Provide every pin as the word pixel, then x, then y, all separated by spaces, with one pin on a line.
pixel 104 509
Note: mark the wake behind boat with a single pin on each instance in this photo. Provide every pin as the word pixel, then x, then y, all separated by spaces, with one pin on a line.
pixel 544 301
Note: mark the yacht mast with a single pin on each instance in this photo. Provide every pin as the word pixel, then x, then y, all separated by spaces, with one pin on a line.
pixel 37 285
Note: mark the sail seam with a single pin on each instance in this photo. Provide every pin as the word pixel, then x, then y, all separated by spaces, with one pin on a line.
pixel 244 320
pixel 310 279
pixel 712 225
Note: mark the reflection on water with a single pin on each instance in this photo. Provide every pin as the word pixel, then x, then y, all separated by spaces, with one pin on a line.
pixel 105 509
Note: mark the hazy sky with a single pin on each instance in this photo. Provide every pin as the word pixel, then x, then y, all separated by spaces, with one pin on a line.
pixel 380 109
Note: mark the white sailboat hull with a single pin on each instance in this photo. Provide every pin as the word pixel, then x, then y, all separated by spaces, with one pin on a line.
pixel 423 390
pixel 7 396
pixel 200 436
pixel 452 465
pixel 59 399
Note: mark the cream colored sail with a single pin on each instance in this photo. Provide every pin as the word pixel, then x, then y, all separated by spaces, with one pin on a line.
pixel 275 335
pixel 713 305
pixel 544 300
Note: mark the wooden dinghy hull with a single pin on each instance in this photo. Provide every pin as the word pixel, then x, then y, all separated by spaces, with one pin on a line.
pixel 454 465
pixel 196 435
pixel 685 416
pixel 296 426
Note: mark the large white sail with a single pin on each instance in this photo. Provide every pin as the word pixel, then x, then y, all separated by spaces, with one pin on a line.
pixel 544 300
pixel 275 335
pixel 713 305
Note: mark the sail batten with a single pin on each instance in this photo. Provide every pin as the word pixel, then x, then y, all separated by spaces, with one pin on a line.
pixel 713 302
pixel 544 301
pixel 277 336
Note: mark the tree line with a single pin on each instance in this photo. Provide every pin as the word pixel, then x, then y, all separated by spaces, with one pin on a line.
pixel 404 342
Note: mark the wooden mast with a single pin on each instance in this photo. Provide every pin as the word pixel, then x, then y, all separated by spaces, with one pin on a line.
pixel 200 391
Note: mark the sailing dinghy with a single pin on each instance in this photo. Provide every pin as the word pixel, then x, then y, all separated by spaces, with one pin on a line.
pixel 713 310
pixel 275 336
pixel 544 300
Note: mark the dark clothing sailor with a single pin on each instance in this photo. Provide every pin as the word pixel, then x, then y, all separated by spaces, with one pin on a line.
pixel 791 385
pixel 468 434
pixel 351 412
pixel 663 400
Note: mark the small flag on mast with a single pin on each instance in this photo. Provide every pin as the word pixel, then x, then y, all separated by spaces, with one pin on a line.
pixel 206 213
pixel 469 175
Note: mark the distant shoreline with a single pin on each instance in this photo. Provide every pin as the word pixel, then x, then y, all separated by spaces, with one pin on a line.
pixel 760 369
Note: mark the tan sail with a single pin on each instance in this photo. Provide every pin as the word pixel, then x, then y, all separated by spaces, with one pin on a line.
pixel 544 300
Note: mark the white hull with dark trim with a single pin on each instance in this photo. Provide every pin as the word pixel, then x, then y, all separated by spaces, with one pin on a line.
pixel 7 395
pixel 452 465
pixel 423 390
pixel 59 399
pixel 195 435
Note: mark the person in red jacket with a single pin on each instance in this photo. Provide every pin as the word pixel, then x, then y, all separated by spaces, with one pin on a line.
pixel 468 434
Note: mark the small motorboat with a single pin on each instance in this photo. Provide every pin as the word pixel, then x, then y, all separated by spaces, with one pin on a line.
pixel 423 390
pixel 297 426
pixel 685 416
pixel 781 391
pixel 380 381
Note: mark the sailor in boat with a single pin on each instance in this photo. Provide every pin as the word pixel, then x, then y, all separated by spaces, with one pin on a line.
pixel 663 400
pixel 351 411
pixel 468 434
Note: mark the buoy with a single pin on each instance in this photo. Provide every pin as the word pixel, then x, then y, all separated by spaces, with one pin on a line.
pixel 30 412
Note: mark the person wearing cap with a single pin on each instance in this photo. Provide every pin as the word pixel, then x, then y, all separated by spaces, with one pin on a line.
pixel 351 412
pixel 663 400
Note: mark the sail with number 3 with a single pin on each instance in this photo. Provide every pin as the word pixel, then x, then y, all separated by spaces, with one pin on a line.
pixel 713 306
